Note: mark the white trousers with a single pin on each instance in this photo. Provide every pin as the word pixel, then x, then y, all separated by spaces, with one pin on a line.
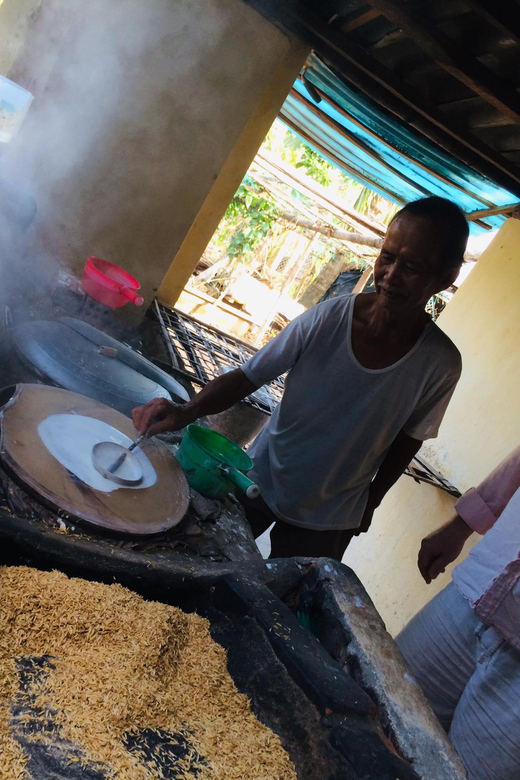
pixel 471 677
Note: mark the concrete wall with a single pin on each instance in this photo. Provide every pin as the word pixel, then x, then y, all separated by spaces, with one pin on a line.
pixel 232 173
pixel 481 426
pixel 14 22
pixel 138 106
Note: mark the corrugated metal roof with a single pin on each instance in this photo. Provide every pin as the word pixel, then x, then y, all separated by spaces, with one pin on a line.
pixel 421 95
pixel 370 146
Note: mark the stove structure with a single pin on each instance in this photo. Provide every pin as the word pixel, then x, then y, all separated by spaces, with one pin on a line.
pixel 47 438
pixel 304 641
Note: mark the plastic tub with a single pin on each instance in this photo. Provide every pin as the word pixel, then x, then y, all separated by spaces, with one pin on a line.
pixel 15 102
pixel 109 284
pixel 214 465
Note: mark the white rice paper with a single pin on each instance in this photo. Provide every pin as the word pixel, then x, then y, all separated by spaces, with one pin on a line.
pixel 70 438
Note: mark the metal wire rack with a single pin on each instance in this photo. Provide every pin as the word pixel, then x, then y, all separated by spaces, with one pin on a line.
pixel 202 352
pixel 420 471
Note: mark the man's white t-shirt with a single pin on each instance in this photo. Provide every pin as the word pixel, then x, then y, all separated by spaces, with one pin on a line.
pixel 324 443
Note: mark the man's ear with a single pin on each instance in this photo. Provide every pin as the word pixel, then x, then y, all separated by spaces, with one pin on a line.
pixel 448 278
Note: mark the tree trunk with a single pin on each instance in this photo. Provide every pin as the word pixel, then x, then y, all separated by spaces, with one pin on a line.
pixel 286 286
pixel 323 281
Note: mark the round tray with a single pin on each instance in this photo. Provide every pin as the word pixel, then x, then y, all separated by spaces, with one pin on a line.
pixel 145 511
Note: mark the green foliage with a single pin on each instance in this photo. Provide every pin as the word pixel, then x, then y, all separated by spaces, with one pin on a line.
pixel 302 156
pixel 315 166
pixel 364 200
pixel 293 150
pixel 291 147
pixel 254 214
pixel 368 201
pixel 250 216
pixel 392 211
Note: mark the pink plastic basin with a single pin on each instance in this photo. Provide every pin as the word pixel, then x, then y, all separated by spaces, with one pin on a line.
pixel 109 284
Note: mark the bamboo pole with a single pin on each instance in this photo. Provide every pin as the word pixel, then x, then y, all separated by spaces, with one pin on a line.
pixel 341 235
pixel 315 191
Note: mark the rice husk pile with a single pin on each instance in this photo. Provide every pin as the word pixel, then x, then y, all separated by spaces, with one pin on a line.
pixel 123 664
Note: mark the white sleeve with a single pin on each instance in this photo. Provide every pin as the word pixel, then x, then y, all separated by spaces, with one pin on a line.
pixel 282 352
pixel 427 416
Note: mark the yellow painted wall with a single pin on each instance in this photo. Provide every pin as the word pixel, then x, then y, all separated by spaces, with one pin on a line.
pixel 481 426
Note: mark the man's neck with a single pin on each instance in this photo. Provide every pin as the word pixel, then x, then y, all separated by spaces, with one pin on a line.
pixel 380 322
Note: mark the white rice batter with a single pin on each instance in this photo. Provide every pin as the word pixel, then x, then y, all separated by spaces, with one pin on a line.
pixel 70 438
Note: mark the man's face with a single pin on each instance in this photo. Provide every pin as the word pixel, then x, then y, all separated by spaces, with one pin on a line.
pixel 408 271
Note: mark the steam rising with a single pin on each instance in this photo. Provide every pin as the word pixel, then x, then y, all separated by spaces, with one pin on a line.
pixel 137 106
pixel 108 84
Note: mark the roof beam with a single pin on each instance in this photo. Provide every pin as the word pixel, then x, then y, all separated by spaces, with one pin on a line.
pixel 502 15
pixel 340 235
pixel 452 58
pixel 482 213
pixel 314 190
pixel 362 70
pixel 360 20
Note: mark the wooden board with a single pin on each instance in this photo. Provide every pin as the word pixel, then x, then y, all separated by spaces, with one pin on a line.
pixel 147 511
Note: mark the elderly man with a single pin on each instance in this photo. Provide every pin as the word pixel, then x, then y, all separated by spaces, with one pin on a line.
pixel 370 377
pixel 464 646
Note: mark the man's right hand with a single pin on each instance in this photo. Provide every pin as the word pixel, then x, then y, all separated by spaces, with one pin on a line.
pixel 442 547
pixel 159 416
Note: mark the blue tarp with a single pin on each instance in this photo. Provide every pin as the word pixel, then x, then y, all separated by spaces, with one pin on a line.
pixel 381 153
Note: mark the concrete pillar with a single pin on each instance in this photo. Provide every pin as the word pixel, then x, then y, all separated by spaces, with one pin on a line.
pixel 232 173
pixel 480 428
pixel 15 16
pixel 145 115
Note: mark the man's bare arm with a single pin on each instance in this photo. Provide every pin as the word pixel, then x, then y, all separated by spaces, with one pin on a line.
pixel 160 415
pixel 396 460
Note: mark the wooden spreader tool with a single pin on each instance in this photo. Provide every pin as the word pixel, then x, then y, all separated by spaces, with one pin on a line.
pixel 129 509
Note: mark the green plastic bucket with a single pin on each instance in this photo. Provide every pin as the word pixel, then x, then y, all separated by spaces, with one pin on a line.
pixel 214 465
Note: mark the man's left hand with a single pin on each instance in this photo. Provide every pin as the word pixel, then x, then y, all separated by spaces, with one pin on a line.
pixel 397 458
pixel 366 520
